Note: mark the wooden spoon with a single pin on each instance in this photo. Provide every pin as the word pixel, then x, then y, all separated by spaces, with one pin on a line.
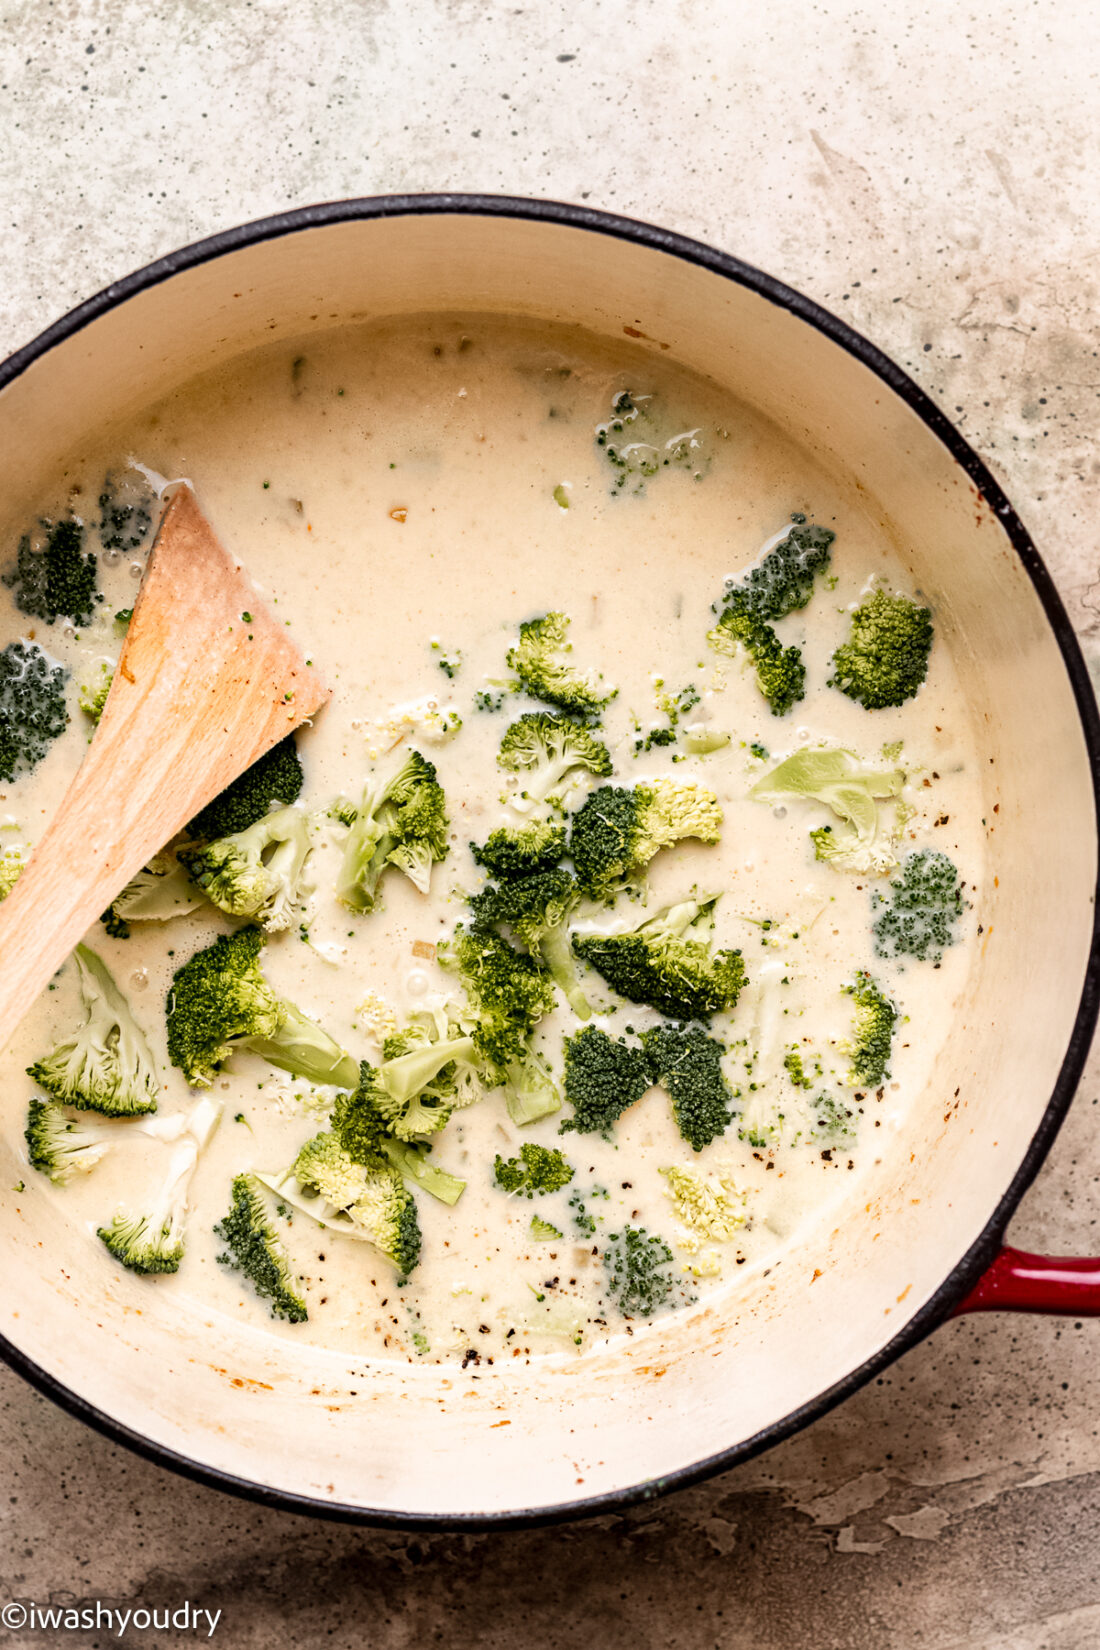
pixel 208 680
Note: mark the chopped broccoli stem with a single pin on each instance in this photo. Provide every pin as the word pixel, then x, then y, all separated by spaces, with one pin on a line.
pixel 885 659
pixel 688 1066
pixel 603 1077
pixel 32 707
pixel 539 660
pixel 58 581
pixel 253 1248
pixel 925 902
pixel 664 962
pixel 840 781
pixel 617 831
pixel 638 1271
pixel 275 777
pixel 220 1001
pixel 106 1065
pixel 538 1169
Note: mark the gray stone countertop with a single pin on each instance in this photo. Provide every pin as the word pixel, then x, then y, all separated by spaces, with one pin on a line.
pixel 926 172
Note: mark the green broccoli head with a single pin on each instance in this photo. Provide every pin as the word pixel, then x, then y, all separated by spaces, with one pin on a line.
pixel 780 583
pixel 666 963
pixel 252 1247
pixel 93 698
pixel 547 750
pixel 429 1071
pixel 712 1208
pixel 220 1001
pixel 144 1243
pixel 783 580
pixel 541 663
pixel 363 1121
pixel 275 777
pixel 106 1065
pixel 687 1063
pixel 126 505
pixel 507 994
pixel 852 790
pixel 32 707
pixel 11 869
pixel 603 1077
pixel 617 831
pixel 780 673
pixel 368 1200
pixel 925 903
pixel 638 1270
pixel 59 580
pixel 537 910
pixel 521 851
pixel 60 1147
pixel 885 659
pixel 259 872
pixel 403 824
pixel 873 1032
pixel 538 1169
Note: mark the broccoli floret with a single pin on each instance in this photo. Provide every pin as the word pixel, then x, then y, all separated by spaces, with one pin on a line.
pixel 666 963
pixel 367 1200
pixel 537 910
pixel 219 1001
pixel 58 1145
pixel 32 707
pixel 252 1247
pixel 885 659
pixel 126 507
pixel 257 873
pixel 688 1066
pixel 275 777
pixel 363 1123
pixel 617 831
pixel 852 791
pixel 783 580
pixel 539 663
pixel 835 1121
pixel 873 1033
pixel 152 1240
pixel 926 901
pixel 429 1070
pixel 713 1211
pixel 159 892
pixel 403 824
pixel 106 1065
pixel 58 581
pixel 93 699
pixel 11 869
pixel 781 583
pixel 508 994
pixel 542 1231
pixel 521 851
pixel 795 1068
pixel 538 1169
pixel 780 673
pixel 603 1077
pixel 547 749
pixel 638 1275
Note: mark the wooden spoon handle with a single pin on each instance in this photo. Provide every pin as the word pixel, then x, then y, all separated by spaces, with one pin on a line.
pixel 208 680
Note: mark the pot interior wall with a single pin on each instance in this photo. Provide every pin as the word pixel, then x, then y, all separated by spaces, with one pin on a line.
pixel 433 1441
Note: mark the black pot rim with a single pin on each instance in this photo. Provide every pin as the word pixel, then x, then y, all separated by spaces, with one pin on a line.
pixel 968 1270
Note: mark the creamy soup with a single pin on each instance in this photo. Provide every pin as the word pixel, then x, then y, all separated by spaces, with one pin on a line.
pixel 405 496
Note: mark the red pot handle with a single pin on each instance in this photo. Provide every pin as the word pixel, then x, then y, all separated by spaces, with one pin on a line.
pixel 1017 1282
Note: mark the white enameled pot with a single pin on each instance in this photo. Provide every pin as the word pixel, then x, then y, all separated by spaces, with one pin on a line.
pixel 250 1411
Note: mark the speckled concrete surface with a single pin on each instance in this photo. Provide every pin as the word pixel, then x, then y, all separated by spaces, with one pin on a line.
pixel 932 179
